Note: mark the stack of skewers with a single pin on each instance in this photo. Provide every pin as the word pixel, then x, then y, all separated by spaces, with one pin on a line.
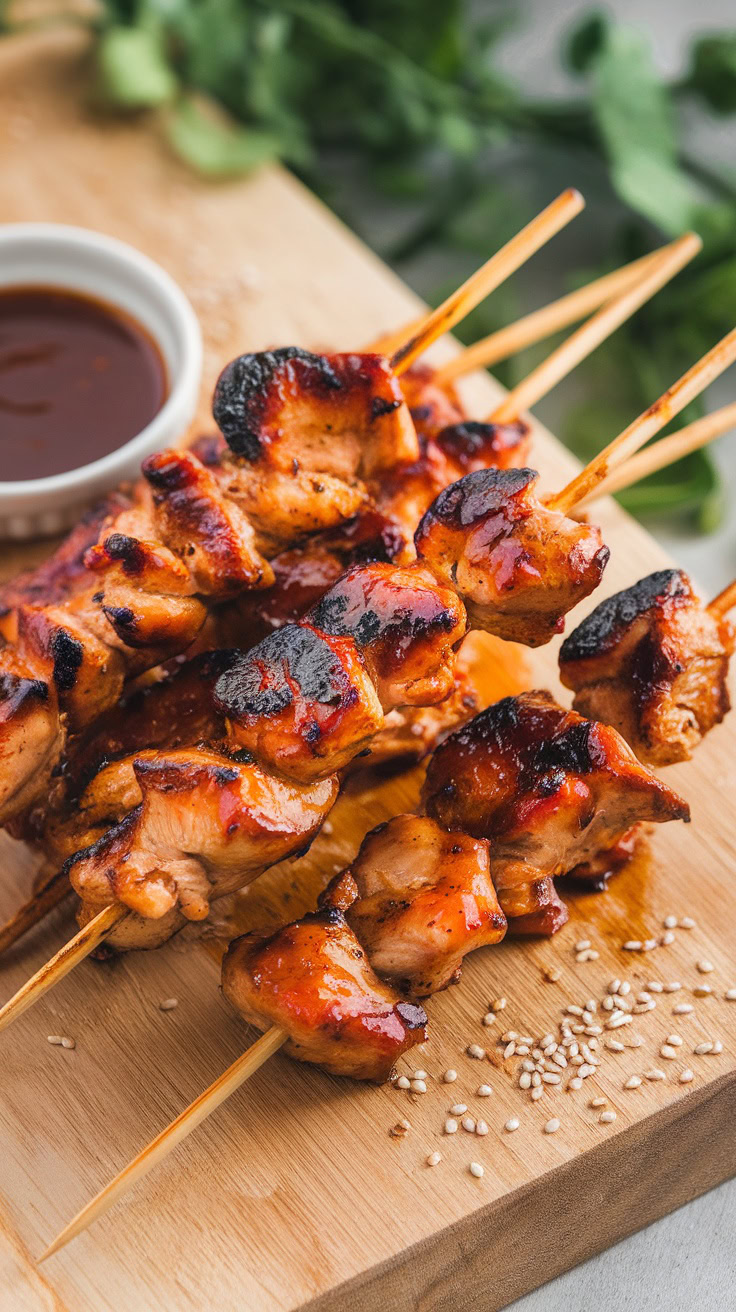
pixel 276 603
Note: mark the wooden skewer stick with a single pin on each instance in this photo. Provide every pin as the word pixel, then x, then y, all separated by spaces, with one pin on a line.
pixel 545 322
pixel 654 418
pixel 495 271
pixel 665 452
pixel 62 962
pixel 34 910
pixel 605 321
pixel 164 1143
pixel 724 602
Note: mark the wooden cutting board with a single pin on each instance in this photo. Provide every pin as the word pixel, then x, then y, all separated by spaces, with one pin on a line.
pixel 294 1195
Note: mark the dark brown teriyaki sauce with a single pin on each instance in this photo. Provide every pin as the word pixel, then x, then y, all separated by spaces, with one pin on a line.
pixel 78 379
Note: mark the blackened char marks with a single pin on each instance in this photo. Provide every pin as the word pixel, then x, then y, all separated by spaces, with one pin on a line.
pixel 15 691
pixel 543 738
pixel 604 627
pixel 476 496
pixel 473 441
pixel 293 660
pixel 68 654
pixel 128 551
pixel 367 615
pixel 243 392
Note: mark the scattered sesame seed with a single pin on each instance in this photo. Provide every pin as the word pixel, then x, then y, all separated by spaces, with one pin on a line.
pixel 614 986
pixel 450 1125
pixel 327 828
pixel 682 1009
pixel 400 1129
pixel 522 1049
pixel 449 1077
pixel 686 1076
pixel 498 1004
pixel 474 1050
pixel 168 1004
pixel 633 1082
pixel 582 944
pixel 575 1083
pixel 667 938
pixel 419 1086
pixel 668 1052
pixel 458 1109
pixel 552 974
pixel 655 1074
pixel 670 922
pixel 512 1124
pixel 419 1075
pixel 489 1018
pixel 589 954
pixel 508 1035
pixel 403 1082
pixel 573 1010
pixel 607 1118
pixel 536 1079
pixel 525 1080
pixel 481 1128
pixel 687 922
pixel 476 1169
pixel 552 1126
pixel 705 967
pixel 615 1045
pixel 484 1091
pixel 468 1124
pixel 730 995
pixel 649 945
pixel 624 988
pixel 434 1159
pixel 717 1046
pixel 702 991
pixel 537 1093
pixel 673 987
pixel 654 986
pixel 675 1040
pixel 509 1050
pixel 549 1078
pixel 585 1070
pixel 632 945
pixel 60 1041
pixel 597 1102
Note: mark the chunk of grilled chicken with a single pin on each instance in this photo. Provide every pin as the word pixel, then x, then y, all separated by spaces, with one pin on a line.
pixel 549 788
pixel 315 980
pixel 652 662
pixel 519 566
pixel 425 899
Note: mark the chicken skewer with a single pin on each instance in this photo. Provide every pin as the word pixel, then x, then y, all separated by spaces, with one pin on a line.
pixel 653 661
pixel 310 697
pixel 414 902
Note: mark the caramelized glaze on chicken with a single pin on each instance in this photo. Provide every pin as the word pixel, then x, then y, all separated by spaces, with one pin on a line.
pixel 652 662
pixel 519 566
pixel 314 979
pixel 549 789
pixel 425 899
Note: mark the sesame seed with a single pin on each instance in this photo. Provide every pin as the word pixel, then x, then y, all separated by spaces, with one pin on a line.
pixel 449 1077
pixel 632 945
pixel 670 922
pixel 525 1080
pixel 434 1159
pixel 512 1124
pixel 585 1070
pixel 481 1128
pixel 649 945
pixel 489 1018
pixel 686 1076
pixel 687 922
pixel 668 1052
pixel 702 991
pixel 168 1004
pixel 633 1082
pixel 509 1050
pixel 419 1075
pixel 552 974
pixel 702 1048
pixel 450 1125
pixel 498 1005
pixel 419 1086
pixel 537 1093
pixel 730 995
pixel 667 938
pixel 705 967
pixel 458 1109
pixel 61 1041
pixel 624 988
pixel 654 986
pixel 614 986
pixel 508 1035
pixel 403 1082
pixel 655 1074
pixel 573 1010
pixel 597 1102
pixel 582 944
pixel 607 1118
pixel 615 1045
pixel 468 1124
pixel 476 1169
pixel 575 1083
pixel 717 1046
pixel 474 1050
pixel 589 954
pixel 674 1040
pixel 522 1049
pixel 536 1079
pixel 484 1091
pixel 682 1009
pixel 673 987
pixel 552 1126
pixel 549 1078
pixel 400 1129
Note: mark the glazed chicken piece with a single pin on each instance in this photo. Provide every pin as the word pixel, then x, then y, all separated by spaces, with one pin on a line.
pixel 519 566
pixel 549 789
pixel 653 662
pixel 314 979
pixel 425 899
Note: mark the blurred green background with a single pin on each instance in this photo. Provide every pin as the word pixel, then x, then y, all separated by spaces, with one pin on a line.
pixel 436 128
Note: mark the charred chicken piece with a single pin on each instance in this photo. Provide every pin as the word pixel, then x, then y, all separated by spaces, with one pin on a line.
pixel 549 789
pixel 207 824
pixel 652 662
pixel 425 899
pixel 315 980
pixel 518 566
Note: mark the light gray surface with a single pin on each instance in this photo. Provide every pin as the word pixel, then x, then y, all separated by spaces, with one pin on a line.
pixel 686 1262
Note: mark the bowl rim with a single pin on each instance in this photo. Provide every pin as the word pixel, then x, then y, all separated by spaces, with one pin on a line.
pixel 182 381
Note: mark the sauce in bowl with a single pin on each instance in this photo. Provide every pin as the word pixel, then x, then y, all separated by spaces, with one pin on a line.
pixel 78 379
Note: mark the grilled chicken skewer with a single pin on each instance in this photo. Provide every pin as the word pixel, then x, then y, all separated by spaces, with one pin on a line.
pixel 652 660
pixel 401 919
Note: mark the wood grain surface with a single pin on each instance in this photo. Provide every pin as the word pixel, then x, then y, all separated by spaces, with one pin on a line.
pixel 294 1195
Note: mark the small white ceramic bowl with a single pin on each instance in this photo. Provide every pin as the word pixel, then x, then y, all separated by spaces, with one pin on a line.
pixel 78 259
